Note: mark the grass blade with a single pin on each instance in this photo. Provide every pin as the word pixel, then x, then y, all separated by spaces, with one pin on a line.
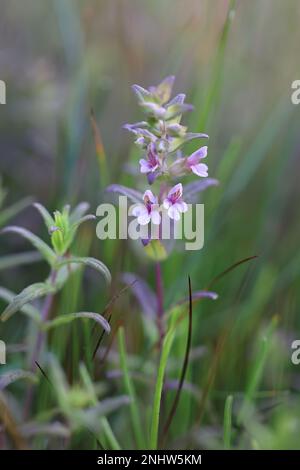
pixel 166 347
pixel 129 387
pixel 184 367
pixel 227 428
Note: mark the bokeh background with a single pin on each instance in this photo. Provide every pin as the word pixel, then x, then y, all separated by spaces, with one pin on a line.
pixel 236 61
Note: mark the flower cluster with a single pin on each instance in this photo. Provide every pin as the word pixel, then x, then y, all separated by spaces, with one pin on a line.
pixel 161 138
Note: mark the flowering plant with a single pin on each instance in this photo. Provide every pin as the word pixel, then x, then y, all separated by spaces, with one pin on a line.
pixel 161 137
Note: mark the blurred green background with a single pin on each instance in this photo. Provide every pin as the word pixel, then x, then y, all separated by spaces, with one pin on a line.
pixel 236 61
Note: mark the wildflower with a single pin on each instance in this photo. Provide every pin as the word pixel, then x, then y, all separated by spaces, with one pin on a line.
pixel 149 211
pixel 162 137
pixel 174 202
pixel 192 162
pixel 152 162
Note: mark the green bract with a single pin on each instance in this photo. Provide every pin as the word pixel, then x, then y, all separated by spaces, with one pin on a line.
pixel 63 225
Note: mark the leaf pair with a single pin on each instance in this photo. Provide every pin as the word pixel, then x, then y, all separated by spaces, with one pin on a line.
pixel 63 225
pixel 41 289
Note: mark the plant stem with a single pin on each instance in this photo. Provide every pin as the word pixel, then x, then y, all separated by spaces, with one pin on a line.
pixel 160 302
pixel 40 339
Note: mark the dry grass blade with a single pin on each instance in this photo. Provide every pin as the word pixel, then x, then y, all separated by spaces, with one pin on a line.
pixel 10 425
pixel 231 268
pixel 108 310
pixel 43 373
pixel 184 366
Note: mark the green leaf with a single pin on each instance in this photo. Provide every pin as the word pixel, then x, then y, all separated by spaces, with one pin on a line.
pixel 178 142
pixel 28 310
pixel 68 318
pixel 41 246
pixel 62 275
pixel 79 211
pixel 91 262
pixel 13 210
pixel 142 94
pixel 12 376
pixel 227 426
pixel 48 219
pixel 166 348
pixel 11 261
pixel 176 110
pixel 30 293
pixel 54 429
pixel 164 89
pixel 130 390
pixel 82 220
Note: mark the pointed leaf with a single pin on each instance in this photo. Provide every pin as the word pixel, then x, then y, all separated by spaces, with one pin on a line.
pixel 163 91
pixel 202 294
pixel 53 429
pixel 28 310
pixel 11 261
pixel 192 189
pixel 41 246
pixel 176 110
pixel 91 262
pixel 132 194
pixel 10 377
pixel 83 219
pixel 13 210
pixel 142 94
pixel 79 211
pixel 178 142
pixel 68 318
pixel 27 295
pixel 178 99
pixel 48 219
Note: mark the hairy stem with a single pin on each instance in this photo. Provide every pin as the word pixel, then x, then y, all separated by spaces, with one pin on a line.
pixel 40 339
pixel 160 302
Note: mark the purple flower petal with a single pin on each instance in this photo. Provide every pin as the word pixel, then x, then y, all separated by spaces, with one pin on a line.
pixel 195 157
pixel 200 170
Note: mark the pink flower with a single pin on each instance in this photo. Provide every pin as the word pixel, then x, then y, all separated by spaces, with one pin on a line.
pixel 174 203
pixel 149 211
pixel 192 162
pixel 152 162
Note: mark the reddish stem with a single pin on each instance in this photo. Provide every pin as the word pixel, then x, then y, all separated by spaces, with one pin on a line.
pixel 39 344
pixel 160 302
